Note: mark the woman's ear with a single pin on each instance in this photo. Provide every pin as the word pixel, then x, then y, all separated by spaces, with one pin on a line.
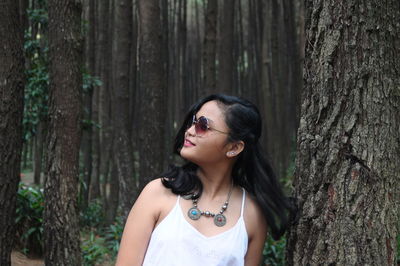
pixel 235 148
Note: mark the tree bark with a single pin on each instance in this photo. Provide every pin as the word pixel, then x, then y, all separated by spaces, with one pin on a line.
pixel 11 109
pixel 123 154
pixel 347 180
pixel 61 229
pixel 103 138
pixel 281 81
pixel 153 92
pixel 38 152
pixel 23 14
pixel 87 132
pixel 210 48
pixel 112 196
pixel 225 54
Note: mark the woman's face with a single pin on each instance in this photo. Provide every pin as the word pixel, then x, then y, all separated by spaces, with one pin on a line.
pixel 210 147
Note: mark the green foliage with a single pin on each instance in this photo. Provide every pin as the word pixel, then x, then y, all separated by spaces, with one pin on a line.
pixel 92 216
pixel 90 82
pixel 39 15
pixel 113 234
pixel 274 252
pixel 104 240
pixel 94 249
pixel 29 219
pixel 37 73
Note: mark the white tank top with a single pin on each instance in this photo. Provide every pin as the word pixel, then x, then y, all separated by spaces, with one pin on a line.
pixel 175 242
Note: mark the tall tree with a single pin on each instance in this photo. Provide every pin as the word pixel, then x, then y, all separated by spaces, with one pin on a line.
pixel 210 48
pixel 102 140
pixel 11 109
pixel 152 92
pixel 281 81
pixel 347 180
pixel 87 133
pixel 61 230
pixel 225 51
pixel 123 154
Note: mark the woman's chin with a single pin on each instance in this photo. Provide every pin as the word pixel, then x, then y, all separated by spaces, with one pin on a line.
pixel 188 155
pixel 185 154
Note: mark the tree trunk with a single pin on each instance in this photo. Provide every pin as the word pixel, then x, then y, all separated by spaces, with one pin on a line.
pixel 87 132
pixel 103 138
pixel 11 109
pixel 61 229
pixel 23 14
pixel 210 48
pixel 225 53
pixel 153 92
pixel 281 81
pixel 112 195
pixel 347 180
pixel 123 154
pixel 38 152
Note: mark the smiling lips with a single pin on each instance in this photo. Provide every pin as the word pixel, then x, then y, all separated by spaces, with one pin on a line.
pixel 188 143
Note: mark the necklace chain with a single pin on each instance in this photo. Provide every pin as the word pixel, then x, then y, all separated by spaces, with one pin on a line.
pixel 195 213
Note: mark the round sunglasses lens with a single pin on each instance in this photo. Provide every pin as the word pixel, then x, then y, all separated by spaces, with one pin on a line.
pixel 201 125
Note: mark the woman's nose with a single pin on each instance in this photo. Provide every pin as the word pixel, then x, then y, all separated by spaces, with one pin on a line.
pixel 191 130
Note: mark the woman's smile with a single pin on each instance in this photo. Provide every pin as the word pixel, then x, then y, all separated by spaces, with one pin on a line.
pixel 188 143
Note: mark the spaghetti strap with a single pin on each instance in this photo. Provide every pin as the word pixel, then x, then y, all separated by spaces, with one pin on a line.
pixel 243 199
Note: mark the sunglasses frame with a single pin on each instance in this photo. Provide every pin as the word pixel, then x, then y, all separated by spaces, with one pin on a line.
pixel 197 128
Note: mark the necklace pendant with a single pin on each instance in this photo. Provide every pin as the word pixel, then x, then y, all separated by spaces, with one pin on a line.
pixel 194 213
pixel 219 220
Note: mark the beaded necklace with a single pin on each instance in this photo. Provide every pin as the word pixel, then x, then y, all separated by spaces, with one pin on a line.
pixel 194 213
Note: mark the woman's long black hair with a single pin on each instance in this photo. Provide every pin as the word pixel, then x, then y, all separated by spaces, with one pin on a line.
pixel 251 170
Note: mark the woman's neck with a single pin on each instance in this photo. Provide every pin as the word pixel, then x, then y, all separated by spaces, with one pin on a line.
pixel 217 181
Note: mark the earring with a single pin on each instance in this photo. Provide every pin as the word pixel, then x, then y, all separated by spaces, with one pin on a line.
pixel 231 153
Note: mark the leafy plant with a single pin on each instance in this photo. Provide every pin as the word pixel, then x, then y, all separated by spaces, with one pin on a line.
pixel 92 216
pixel 113 236
pixel 37 73
pixel 94 249
pixel 29 219
pixel 274 252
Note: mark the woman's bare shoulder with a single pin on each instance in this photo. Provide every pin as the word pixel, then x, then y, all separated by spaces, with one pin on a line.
pixel 156 190
pixel 254 217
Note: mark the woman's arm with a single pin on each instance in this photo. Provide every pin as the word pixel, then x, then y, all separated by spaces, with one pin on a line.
pixel 257 232
pixel 139 226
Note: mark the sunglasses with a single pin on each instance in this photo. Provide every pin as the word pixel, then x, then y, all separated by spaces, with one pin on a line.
pixel 202 125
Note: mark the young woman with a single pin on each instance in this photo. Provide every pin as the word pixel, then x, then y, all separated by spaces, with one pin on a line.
pixel 217 207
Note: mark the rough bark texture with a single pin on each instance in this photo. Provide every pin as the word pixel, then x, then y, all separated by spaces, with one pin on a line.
pixel 123 154
pixel 210 48
pixel 347 170
pixel 153 92
pixel 11 108
pixel 61 229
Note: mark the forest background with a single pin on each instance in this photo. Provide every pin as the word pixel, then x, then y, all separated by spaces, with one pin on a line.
pixel 106 85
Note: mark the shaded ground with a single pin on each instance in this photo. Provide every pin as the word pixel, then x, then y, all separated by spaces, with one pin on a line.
pixel 19 259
